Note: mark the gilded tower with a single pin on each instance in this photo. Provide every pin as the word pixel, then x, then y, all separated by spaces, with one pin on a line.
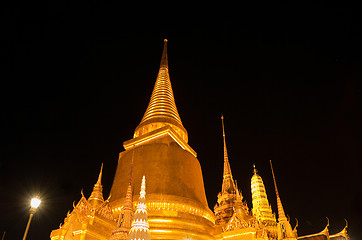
pixel 176 200
pixel 140 229
pixel 284 228
pixel 261 207
pixel 224 208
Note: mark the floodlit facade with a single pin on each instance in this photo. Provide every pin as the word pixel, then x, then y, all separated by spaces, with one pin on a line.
pixel 175 206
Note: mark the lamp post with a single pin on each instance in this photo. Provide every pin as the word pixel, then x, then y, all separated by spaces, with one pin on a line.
pixel 35 202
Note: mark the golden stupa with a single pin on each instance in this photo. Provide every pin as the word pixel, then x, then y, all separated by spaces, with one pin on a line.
pixel 176 201
pixel 175 206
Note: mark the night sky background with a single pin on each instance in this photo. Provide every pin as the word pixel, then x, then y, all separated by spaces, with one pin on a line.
pixel 76 78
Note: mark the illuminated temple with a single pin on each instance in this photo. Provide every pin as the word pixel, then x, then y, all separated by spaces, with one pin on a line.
pixel 174 206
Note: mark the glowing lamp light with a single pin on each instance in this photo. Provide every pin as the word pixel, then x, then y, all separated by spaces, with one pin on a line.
pixel 35 202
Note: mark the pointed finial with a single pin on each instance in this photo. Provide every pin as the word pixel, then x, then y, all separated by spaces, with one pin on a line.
pixel 161 110
pixel 223 130
pixel 164 59
pixel 255 170
pixel 227 169
pixel 143 188
pixel 275 183
pixel 100 176
pixel 281 213
pixel 96 196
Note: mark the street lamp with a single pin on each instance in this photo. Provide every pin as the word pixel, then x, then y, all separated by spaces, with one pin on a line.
pixel 34 203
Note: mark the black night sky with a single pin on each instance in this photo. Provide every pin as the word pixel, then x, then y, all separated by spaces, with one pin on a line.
pixel 77 77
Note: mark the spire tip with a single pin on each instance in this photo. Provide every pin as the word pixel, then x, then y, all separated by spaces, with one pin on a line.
pixel 100 175
pixel 255 170
pixel 165 40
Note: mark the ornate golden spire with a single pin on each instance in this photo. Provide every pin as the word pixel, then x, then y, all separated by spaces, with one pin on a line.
pixel 281 213
pixel 140 227
pixel 164 59
pixel 161 110
pixel 285 230
pixel 96 196
pixel 228 182
pixel 224 209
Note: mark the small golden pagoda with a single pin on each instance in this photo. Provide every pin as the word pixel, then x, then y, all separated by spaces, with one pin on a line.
pixel 140 229
pixel 261 207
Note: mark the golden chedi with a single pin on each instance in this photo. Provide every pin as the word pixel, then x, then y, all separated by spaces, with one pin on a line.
pixel 176 201
pixel 176 205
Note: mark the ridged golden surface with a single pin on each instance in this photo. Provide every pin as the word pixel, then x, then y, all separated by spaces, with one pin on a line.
pixel 261 207
pixel 161 109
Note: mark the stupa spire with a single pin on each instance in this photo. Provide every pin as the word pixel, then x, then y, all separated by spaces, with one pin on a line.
pixel 224 209
pixel 161 110
pixel 164 60
pixel 285 230
pixel 281 213
pixel 228 182
pixel 96 196
pixel 140 228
